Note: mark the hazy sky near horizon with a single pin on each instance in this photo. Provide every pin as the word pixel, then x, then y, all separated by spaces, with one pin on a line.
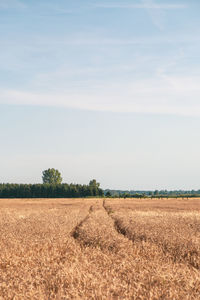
pixel 101 89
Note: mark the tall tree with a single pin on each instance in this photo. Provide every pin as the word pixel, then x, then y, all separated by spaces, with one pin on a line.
pixel 94 183
pixel 51 176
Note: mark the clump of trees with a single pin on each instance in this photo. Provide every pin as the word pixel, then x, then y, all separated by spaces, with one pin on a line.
pixel 63 190
pixel 152 194
pixel 52 187
pixel 51 176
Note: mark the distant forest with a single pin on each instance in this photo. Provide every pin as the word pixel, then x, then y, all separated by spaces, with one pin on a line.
pixel 53 187
pixel 65 190
pixel 62 190
pixel 151 194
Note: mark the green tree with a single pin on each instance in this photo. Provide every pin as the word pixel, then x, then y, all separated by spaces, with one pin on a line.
pixel 108 194
pixel 94 183
pixel 51 176
pixel 156 193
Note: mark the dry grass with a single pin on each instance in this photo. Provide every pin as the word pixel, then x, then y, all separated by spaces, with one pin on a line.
pixel 95 249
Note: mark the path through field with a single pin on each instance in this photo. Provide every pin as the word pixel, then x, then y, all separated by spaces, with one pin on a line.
pixel 99 249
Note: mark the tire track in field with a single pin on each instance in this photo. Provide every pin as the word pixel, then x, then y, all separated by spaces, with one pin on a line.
pixel 58 263
pixel 75 232
pixel 97 230
pixel 176 251
pixel 117 226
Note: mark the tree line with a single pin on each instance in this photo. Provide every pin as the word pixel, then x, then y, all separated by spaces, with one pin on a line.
pixel 52 187
pixel 63 190
pixel 152 194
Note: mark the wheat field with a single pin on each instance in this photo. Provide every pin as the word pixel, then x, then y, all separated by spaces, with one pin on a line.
pixel 99 249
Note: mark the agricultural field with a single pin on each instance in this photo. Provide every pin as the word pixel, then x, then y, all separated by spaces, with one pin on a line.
pixel 99 249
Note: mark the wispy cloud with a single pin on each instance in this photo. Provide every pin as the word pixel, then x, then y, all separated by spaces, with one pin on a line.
pixel 164 95
pixel 42 42
pixel 155 10
pixel 46 9
pixel 145 5
pixel 11 4
pixel 41 9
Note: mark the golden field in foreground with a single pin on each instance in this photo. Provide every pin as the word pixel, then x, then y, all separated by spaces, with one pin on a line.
pixel 99 249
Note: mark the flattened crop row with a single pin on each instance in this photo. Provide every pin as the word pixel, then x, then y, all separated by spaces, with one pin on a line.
pixel 98 230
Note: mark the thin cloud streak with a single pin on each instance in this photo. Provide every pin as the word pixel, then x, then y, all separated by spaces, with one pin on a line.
pixel 142 6
pixel 41 43
pixel 11 4
pixel 167 95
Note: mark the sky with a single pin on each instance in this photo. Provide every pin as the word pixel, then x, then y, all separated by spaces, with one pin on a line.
pixel 101 89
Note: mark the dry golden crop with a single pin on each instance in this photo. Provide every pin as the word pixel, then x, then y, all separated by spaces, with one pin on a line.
pixel 99 249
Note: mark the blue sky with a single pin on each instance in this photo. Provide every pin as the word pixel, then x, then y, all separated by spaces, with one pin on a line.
pixel 101 89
